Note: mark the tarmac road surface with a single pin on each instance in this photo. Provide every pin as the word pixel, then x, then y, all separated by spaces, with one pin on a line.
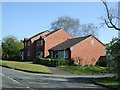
pixel 18 79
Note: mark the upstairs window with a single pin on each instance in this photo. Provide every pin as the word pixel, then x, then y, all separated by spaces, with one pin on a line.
pixel 41 42
pixel 38 43
pixel 28 43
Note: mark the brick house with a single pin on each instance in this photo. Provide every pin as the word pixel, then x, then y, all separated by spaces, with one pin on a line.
pixel 38 45
pixel 85 50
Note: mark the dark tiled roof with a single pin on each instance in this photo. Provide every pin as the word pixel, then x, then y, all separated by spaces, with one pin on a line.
pixel 69 43
pixel 36 35
pixel 50 33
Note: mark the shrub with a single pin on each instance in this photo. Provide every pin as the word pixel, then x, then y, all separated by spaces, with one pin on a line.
pixel 113 55
pixel 71 61
pixel 51 62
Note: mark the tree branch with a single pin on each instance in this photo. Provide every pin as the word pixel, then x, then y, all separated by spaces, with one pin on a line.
pixel 109 18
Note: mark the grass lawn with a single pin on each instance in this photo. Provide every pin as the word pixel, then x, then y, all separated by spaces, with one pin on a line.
pixel 30 62
pixel 112 81
pixel 24 66
pixel 84 69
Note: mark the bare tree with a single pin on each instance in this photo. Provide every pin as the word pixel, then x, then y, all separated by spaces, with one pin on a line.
pixel 111 17
pixel 73 26
pixel 89 29
pixel 67 23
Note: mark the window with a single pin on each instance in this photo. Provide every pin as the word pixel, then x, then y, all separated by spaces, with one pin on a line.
pixel 39 54
pixel 28 43
pixel 38 43
pixel 66 54
pixel 41 42
pixel 28 53
pixel 63 54
pixel 51 54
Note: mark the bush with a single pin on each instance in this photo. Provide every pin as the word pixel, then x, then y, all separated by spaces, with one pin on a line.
pixel 113 55
pixel 71 61
pixel 51 62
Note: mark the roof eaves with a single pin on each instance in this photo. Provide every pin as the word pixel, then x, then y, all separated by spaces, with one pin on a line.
pixel 37 35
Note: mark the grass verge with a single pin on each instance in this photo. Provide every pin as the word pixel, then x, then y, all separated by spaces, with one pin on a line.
pixel 110 81
pixel 25 66
pixel 84 69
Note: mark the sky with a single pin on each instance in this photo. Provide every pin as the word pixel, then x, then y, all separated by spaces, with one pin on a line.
pixel 25 19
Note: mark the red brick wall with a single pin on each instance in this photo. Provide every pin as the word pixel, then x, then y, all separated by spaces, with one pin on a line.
pixel 32 46
pixel 55 39
pixel 88 51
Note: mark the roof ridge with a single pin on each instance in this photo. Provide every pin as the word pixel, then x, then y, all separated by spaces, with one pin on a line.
pixel 38 34
pixel 51 32
pixel 81 37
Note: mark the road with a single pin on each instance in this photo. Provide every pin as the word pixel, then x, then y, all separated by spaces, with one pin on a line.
pixel 19 79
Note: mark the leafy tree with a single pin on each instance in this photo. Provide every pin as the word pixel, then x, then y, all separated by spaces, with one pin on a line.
pixel 11 48
pixel 113 55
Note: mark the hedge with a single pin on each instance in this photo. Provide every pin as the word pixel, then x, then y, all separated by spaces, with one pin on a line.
pixel 51 62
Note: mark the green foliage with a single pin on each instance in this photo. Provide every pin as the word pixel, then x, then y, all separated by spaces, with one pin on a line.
pixel 51 62
pixel 111 81
pixel 71 61
pixel 113 55
pixel 84 69
pixel 11 48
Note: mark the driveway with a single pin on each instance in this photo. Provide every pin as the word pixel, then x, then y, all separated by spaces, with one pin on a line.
pixel 18 79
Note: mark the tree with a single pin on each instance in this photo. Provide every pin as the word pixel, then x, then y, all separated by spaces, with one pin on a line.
pixel 111 17
pixel 67 23
pixel 113 55
pixel 89 29
pixel 11 48
pixel 73 26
